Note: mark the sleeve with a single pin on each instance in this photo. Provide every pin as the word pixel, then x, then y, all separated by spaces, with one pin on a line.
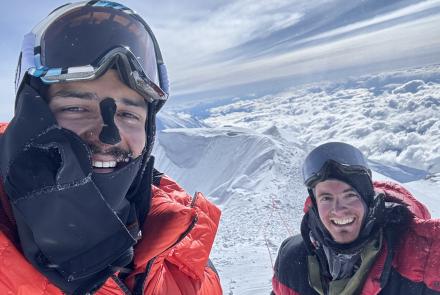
pixel 432 269
pixel 211 282
pixel 417 257
pixel 277 287
pixel 290 267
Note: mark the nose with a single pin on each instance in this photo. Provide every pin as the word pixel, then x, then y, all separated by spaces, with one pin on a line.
pixel 338 205
pixel 109 132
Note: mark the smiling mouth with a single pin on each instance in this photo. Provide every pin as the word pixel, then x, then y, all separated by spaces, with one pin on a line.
pixel 342 221
pixel 109 164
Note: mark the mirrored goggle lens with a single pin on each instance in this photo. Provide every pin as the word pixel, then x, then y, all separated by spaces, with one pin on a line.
pixel 332 169
pixel 120 59
pixel 84 35
pixel 346 156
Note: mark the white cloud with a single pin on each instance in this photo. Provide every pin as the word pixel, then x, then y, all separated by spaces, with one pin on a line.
pixel 187 41
pixel 380 19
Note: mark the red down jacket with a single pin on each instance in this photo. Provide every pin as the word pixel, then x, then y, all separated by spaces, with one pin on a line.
pixel 407 264
pixel 175 269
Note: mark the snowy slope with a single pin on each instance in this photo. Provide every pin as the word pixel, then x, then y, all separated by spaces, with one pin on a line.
pixel 255 179
pixel 250 166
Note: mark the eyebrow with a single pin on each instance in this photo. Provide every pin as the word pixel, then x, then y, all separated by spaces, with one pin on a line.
pixel 92 96
pixel 344 191
pixel 134 103
pixel 76 94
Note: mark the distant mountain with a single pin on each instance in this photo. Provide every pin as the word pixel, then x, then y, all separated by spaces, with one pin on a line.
pixel 167 120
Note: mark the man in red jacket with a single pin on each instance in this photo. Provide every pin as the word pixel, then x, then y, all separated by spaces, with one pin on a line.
pixel 82 208
pixel 357 237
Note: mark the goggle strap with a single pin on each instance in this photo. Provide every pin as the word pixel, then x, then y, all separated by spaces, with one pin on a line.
pixel 163 78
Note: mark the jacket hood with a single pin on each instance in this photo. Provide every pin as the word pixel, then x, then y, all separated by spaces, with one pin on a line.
pixel 395 192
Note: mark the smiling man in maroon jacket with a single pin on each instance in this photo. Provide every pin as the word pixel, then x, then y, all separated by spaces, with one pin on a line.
pixel 358 237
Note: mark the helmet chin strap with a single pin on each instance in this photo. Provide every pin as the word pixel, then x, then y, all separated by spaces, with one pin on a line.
pixel 110 132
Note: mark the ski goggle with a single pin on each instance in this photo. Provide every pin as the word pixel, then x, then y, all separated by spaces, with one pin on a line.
pixel 333 155
pixel 81 41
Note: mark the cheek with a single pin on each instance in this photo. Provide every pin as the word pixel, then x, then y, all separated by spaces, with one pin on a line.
pixel 323 210
pixel 358 207
pixel 361 212
pixel 135 138
pixel 80 127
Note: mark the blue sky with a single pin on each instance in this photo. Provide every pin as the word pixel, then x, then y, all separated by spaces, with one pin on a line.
pixel 218 49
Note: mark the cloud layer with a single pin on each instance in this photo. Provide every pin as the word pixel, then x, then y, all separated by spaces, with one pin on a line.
pixel 393 117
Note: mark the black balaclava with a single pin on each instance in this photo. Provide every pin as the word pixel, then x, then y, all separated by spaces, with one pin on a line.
pixel 75 226
pixel 332 254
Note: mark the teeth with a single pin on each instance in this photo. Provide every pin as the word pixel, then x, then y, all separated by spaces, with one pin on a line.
pixel 102 164
pixel 97 164
pixel 342 221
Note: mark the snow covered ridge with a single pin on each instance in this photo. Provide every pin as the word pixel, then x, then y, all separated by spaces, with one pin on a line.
pixel 254 177
pixel 229 156
pixel 392 117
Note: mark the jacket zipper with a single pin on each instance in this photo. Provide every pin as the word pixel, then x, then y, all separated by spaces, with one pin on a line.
pixel 193 201
pixel 151 261
pixel 121 285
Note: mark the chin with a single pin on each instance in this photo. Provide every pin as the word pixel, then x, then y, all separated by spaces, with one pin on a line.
pixel 345 239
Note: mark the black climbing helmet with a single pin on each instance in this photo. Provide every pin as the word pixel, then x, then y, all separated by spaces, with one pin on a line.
pixel 341 161
pixel 80 41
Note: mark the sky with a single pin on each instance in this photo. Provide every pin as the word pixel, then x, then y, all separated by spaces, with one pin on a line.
pixel 221 49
